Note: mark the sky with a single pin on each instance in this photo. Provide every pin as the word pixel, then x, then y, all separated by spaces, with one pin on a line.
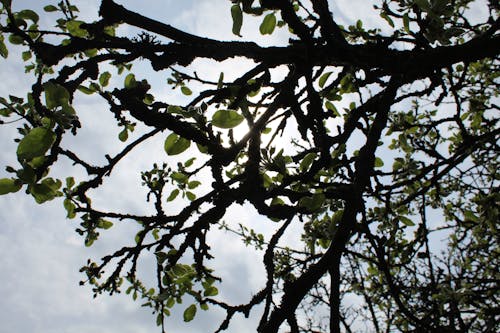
pixel 41 252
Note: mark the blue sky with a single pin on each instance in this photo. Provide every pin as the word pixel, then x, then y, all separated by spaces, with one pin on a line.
pixel 41 253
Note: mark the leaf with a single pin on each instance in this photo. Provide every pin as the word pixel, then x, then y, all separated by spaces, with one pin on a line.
pixel 406 221
pixel 55 95
pixel 191 196
pixel 378 162
pixel 237 16
pixel 46 190
pixel 130 81
pixel 70 208
pixel 170 302
pixel 164 295
pixel 220 82
pixel 189 313
pixel 35 143
pixel 50 8
pixel 27 175
pixel 268 24
pixel 186 91
pixel 202 148
pixel 28 14
pixel 85 90
pixel 324 78
pixel 159 319
pixel 387 18
pixel 307 161
pixel 104 79
pixel 179 177
pixel 189 162
pixel 104 224
pixel 16 40
pixel 174 144
pixel 277 202
pixel 26 55
pixel 173 195
pixel 406 22
pixel 211 291
pixel 74 29
pixel 194 184
pixel 9 185
pixel 123 135
pixel 329 105
pixel 226 119
pixel 4 52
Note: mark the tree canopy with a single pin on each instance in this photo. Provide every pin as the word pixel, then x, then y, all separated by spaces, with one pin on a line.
pixel 375 140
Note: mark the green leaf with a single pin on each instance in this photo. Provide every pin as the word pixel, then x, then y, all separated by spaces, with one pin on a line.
pixel 70 208
pixel 179 177
pixel 9 185
pixel 130 81
pixel 189 313
pixel 16 40
pixel 220 82
pixel 155 234
pixel 398 164
pixel 55 95
pixel 378 162
pixel 164 295
pixel 74 29
pixel 103 224
pixel 406 22
pixel 324 78
pixel 175 144
pixel 186 91
pixel 277 202
pixel 406 221
pixel 194 184
pixel 28 14
pixel 173 195
pixel 202 148
pixel 27 175
pixel 170 302
pixel 46 190
pixel 104 79
pixel 211 291
pixel 307 161
pixel 387 18
pixel 191 196
pixel 268 24
pixel 26 55
pixel 226 119
pixel 35 143
pixel 329 105
pixel 189 162
pixel 70 182
pixel 4 52
pixel 237 16
pixel 123 135
pixel 85 90
pixel 50 8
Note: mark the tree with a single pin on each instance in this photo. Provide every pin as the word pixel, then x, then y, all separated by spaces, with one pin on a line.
pixel 374 142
